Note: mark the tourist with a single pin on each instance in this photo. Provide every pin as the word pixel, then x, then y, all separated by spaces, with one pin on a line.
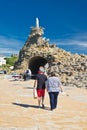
pixel 39 84
pixel 53 85
pixel 28 74
pixel 24 76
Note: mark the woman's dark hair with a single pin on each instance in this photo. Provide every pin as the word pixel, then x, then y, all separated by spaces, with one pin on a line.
pixel 53 74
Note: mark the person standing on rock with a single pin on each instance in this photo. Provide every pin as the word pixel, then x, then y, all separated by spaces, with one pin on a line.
pixel 54 86
pixel 40 86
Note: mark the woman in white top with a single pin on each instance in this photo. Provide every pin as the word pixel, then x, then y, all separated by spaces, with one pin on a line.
pixel 54 86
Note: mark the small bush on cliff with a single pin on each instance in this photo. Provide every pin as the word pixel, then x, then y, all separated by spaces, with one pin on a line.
pixel 11 60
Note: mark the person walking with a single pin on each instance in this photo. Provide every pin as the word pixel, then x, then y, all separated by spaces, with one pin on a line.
pixel 28 74
pixel 40 86
pixel 54 86
pixel 24 76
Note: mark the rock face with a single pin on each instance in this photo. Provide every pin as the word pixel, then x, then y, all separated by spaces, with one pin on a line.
pixel 37 51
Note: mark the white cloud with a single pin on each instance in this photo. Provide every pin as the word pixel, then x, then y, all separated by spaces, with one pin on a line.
pixel 10 45
pixel 73 44
pixel 8 41
pixel 8 50
pixel 79 40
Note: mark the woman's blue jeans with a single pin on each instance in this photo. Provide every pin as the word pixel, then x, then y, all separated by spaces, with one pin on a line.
pixel 53 99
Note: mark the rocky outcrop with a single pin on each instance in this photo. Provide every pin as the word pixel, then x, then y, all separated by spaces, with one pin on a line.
pixel 37 51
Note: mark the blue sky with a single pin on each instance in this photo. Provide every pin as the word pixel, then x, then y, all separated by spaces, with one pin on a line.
pixel 65 23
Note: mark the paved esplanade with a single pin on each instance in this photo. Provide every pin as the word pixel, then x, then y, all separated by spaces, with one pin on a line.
pixel 18 109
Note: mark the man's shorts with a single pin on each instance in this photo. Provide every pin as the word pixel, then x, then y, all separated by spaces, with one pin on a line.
pixel 41 92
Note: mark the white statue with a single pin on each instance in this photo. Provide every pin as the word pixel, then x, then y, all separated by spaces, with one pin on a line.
pixel 37 22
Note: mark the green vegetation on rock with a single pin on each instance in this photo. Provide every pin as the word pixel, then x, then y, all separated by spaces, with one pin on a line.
pixel 11 60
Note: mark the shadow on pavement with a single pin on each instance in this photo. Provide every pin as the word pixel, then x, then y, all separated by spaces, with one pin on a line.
pixel 26 106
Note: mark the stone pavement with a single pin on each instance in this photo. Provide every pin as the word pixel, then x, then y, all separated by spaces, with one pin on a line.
pixel 19 110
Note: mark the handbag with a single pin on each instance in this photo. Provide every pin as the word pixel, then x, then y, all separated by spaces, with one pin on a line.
pixel 34 93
